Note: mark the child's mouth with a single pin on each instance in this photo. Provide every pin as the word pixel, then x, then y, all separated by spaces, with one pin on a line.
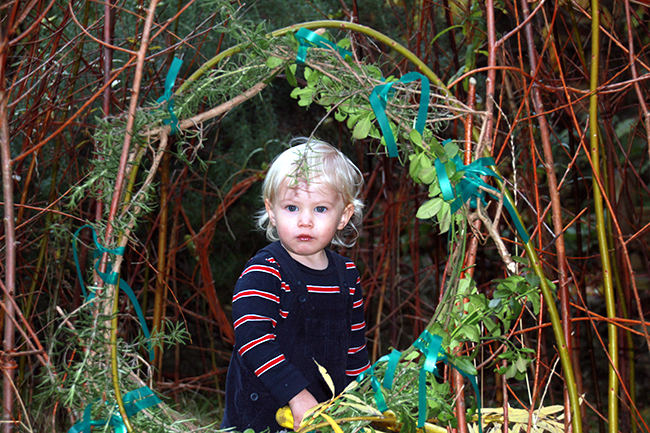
pixel 304 237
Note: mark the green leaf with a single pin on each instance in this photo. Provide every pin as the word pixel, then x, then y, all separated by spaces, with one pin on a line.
pixel 444 218
pixel 429 208
pixel 362 128
pixel 295 93
pixel 438 149
pixel 494 303
pixel 426 174
pixel 511 371
pixel 273 62
pixel 344 43
pixel 415 138
pixel 470 332
pixel 465 365
pixel 313 78
pixel 374 72
pixel 290 72
pixel 414 165
pixel 353 118
pixel 304 102
pixel 340 116
pixel 532 279
pixel 533 297
pixel 493 329
pixel 521 364
pixel 451 149
pixel 434 189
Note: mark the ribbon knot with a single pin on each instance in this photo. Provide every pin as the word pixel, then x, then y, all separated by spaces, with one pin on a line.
pixel 379 98
pixel 110 277
pixel 472 188
pixel 430 346
pixel 307 39
pixel 387 383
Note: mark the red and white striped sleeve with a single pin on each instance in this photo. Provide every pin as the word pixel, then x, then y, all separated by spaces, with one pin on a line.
pixel 358 360
pixel 256 311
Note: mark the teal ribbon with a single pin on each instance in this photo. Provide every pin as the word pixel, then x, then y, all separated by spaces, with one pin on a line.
pixel 430 346
pixel 110 277
pixel 374 382
pixel 170 79
pixel 467 188
pixel 393 359
pixel 387 383
pixel 307 39
pixel 139 399
pixel 379 97
pixel 134 401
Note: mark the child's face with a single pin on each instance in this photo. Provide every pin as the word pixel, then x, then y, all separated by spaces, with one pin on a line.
pixel 306 217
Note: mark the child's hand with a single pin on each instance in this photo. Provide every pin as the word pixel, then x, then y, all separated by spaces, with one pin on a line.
pixel 299 404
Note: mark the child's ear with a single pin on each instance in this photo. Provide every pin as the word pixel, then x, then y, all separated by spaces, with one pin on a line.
pixel 345 217
pixel 269 211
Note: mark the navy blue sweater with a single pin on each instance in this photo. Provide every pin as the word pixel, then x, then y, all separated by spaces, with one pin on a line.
pixel 286 316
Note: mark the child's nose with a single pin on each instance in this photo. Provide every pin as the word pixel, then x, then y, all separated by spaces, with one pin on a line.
pixel 305 219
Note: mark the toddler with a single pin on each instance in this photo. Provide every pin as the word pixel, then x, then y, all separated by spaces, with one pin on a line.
pixel 297 302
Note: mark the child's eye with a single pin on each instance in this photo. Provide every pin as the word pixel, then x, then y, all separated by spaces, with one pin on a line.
pixel 320 209
pixel 291 207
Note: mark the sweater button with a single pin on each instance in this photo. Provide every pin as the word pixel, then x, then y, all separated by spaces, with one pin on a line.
pixel 302 299
pixel 254 396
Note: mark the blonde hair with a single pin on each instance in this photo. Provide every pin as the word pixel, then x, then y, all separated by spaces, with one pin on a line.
pixel 308 159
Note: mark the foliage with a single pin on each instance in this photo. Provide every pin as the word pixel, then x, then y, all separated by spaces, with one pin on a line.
pixel 79 379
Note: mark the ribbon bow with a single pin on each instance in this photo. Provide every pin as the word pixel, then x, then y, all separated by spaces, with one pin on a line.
pixel 387 383
pixel 307 39
pixel 430 346
pixel 468 187
pixel 379 97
